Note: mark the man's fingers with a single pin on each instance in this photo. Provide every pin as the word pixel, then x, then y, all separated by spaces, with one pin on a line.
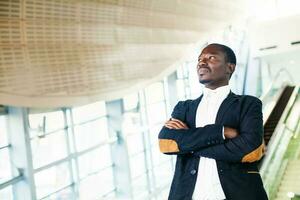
pixel 170 127
pixel 180 122
pixel 175 124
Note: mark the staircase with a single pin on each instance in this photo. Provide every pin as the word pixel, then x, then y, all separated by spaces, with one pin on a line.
pixel 276 114
pixel 290 181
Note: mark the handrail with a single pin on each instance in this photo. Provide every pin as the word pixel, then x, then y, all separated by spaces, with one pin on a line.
pixel 293 195
pixel 277 145
pixel 269 106
pixel 274 80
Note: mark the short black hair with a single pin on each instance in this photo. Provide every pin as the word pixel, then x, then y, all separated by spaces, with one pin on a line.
pixel 229 54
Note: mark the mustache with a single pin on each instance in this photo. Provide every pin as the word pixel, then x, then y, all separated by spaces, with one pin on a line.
pixel 204 68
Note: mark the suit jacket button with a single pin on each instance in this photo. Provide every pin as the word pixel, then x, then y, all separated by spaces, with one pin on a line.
pixel 192 152
pixel 193 171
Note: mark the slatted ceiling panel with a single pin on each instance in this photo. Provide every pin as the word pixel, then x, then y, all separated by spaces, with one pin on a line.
pixel 51 10
pixel 97 34
pixel 93 12
pixel 12 9
pixel 41 32
pixel 67 52
pixel 11 32
pixel 152 53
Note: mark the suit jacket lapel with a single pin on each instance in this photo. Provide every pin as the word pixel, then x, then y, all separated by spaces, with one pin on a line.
pixel 191 116
pixel 225 105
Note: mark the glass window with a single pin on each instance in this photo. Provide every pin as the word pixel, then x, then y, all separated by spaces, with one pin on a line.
pixel 154 93
pixel 156 113
pixel 130 101
pixel 5 168
pixel 195 86
pixel 52 121
pixel 180 89
pixel 3 131
pixel 94 161
pixel 163 174
pixel 158 157
pixel 137 165
pixel 135 143
pixel 91 133
pixel 140 187
pixel 88 112
pixel 6 193
pixel 49 148
pixel 154 131
pixel 97 185
pixel 65 194
pixel 52 179
pixel 131 123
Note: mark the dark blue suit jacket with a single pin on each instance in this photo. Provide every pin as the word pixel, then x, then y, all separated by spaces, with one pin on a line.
pixel 236 158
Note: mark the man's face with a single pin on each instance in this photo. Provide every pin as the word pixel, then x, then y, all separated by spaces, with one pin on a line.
pixel 213 69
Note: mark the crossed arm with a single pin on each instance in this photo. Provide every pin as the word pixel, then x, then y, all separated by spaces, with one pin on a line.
pixel 243 146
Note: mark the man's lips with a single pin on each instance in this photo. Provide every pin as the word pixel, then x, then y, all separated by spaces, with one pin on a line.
pixel 203 70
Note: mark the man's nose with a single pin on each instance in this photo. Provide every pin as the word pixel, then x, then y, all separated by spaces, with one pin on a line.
pixel 203 62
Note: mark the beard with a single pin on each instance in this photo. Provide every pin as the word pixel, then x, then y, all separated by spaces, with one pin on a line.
pixel 204 81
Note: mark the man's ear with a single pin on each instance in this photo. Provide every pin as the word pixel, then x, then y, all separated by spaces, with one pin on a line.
pixel 231 68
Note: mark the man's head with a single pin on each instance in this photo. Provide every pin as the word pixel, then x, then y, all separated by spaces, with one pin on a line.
pixel 216 64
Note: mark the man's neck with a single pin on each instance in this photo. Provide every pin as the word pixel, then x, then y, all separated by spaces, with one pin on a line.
pixel 215 87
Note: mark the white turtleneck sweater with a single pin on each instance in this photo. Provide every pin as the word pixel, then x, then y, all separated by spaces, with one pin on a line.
pixel 208 186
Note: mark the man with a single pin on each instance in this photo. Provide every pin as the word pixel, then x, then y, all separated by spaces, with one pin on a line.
pixel 217 137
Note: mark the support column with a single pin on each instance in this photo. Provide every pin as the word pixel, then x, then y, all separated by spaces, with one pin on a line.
pixel 171 100
pixel 119 153
pixel 171 92
pixel 20 152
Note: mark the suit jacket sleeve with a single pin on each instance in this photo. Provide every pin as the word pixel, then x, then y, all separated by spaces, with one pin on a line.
pixel 180 141
pixel 248 146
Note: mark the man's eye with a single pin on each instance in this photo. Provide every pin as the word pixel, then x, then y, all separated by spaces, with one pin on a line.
pixel 212 57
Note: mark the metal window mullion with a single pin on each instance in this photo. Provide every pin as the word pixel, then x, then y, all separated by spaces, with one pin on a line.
pixel 88 121
pixel 57 162
pixel 49 133
pixel 57 191
pixel 97 172
pixel 107 142
pixel 151 181
pixel 187 86
pixel 21 153
pixel 109 192
pixel 70 157
pixel 72 140
pixel 69 152
pixel 119 151
pixel 11 182
pixel 66 126
pixel 5 146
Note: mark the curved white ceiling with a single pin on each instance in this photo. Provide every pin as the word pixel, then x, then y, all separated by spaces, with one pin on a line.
pixel 64 52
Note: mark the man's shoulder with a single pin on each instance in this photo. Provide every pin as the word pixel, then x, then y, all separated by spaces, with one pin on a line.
pixel 188 102
pixel 249 99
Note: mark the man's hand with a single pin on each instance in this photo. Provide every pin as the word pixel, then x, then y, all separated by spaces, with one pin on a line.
pixel 230 133
pixel 175 124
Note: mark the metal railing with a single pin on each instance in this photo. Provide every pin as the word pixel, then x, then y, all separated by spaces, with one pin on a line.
pixel 273 161
pixel 293 195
